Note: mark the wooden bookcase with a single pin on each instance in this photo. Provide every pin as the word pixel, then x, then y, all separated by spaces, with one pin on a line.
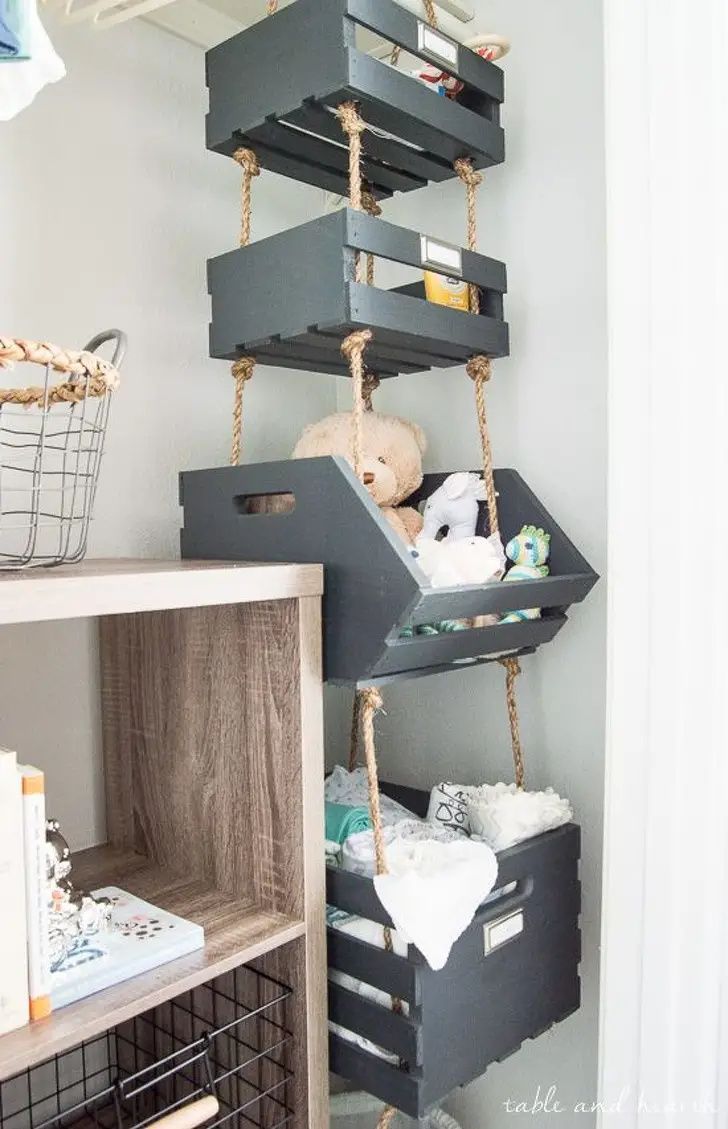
pixel 211 705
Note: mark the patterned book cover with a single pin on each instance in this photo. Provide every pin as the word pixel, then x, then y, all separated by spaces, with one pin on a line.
pixel 140 937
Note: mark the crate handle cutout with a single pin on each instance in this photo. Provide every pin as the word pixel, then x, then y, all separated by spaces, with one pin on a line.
pixel 275 504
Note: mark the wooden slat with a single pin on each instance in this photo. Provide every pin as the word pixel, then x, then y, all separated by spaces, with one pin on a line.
pixel 396 1033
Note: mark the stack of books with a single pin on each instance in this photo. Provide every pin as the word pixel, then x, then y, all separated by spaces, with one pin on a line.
pixel 139 937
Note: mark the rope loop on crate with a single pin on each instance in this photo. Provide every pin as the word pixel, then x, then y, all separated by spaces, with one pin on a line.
pixel 372 208
pixel 353 348
pixel 272 7
pixel 90 374
pixel 513 669
pixel 243 368
pixel 472 181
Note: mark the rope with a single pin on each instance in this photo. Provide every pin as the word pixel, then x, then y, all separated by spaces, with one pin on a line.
pixel 471 179
pixel 370 385
pixel 248 162
pixel 353 348
pixel 353 127
pixel 242 371
pixel 355 723
pixel 431 15
pixel 372 208
pixel 244 367
pixel 479 370
pixel 513 669
pixel 98 376
pixel 272 7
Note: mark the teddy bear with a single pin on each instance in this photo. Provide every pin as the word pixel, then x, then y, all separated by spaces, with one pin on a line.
pixel 392 450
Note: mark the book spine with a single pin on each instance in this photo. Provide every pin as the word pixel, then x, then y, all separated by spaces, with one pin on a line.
pixel 36 900
pixel 14 1010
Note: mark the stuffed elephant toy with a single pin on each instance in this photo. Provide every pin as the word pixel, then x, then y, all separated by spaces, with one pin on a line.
pixel 455 505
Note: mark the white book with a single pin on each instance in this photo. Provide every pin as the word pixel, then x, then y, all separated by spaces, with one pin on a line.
pixel 141 937
pixel 36 892
pixel 13 935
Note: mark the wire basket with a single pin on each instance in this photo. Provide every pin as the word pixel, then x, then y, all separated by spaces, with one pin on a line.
pixel 51 443
pixel 216 1056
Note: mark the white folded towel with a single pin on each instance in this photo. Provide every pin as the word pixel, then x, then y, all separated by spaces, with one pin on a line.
pixel 502 815
pixel 433 889
pixel 358 854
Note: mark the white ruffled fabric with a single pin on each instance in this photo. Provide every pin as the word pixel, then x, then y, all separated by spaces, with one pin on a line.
pixel 358 854
pixel 502 816
pixel 433 890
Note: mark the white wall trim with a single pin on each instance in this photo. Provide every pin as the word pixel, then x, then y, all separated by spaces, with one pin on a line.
pixel 664 1001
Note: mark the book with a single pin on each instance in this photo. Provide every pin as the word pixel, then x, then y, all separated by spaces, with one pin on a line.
pixel 13 935
pixel 36 891
pixel 140 938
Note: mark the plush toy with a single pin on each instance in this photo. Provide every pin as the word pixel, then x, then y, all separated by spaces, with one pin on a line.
pixel 470 560
pixel 391 462
pixel 488 46
pixel 529 552
pixel 454 505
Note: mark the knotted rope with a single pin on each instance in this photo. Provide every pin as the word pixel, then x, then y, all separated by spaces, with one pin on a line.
pixel 471 179
pixel 479 370
pixel 513 669
pixel 94 375
pixel 372 208
pixel 353 348
pixel 244 367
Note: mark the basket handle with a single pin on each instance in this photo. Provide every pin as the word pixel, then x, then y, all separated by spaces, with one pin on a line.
pixel 120 344
pixel 190 1115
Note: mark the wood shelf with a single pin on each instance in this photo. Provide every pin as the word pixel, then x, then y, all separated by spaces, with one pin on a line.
pixel 119 586
pixel 235 932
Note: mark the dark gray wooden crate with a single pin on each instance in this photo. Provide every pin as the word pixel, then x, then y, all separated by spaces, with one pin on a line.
pixel 480 1007
pixel 373 586
pixel 291 299
pixel 274 87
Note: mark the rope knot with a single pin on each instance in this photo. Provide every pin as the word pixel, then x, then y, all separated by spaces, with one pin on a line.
pixel 372 699
pixel 464 168
pixel 356 343
pixel 350 118
pixel 479 368
pixel 243 368
pixel 369 386
pixel 248 161
pixel 370 204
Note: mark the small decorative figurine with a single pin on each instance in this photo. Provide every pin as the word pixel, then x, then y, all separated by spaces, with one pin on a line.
pixel 73 914
pixel 529 552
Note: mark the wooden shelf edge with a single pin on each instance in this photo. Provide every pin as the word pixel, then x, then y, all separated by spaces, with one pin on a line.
pixel 95 1014
pixel 118 586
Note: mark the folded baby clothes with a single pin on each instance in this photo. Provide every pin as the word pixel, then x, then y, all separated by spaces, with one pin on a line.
pixel 371 932
pixel 449 807
pixel 433 889
pixel 351 788
pixel 35 64
pixel 502 815
pixel 343 821
pixel 358 853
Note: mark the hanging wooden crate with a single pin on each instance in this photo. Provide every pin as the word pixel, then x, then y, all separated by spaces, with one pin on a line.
pixel 510 976
pixel 275 87
pixel 374 587
pixel 291 299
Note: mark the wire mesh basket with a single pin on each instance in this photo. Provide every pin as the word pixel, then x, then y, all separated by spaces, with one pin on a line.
pixel 51 443
pixel 218 1055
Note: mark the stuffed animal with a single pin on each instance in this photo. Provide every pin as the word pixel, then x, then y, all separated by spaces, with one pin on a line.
pixel 391 462
pixel 454 505
pixel 529 552
pixel 470 560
